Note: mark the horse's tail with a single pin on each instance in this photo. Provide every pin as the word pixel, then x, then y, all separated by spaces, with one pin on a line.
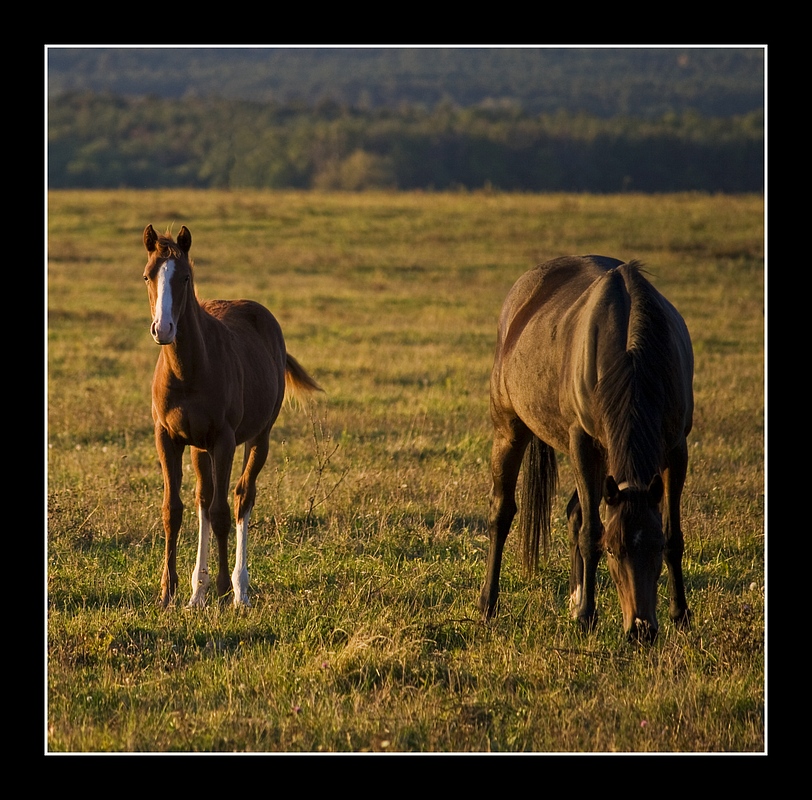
pixel 298 384
pixel 538 489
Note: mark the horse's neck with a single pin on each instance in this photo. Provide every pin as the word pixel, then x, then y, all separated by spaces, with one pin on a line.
pixel 187 357
pixel 636 455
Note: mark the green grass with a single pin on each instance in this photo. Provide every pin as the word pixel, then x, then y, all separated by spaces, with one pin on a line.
pixel 368 541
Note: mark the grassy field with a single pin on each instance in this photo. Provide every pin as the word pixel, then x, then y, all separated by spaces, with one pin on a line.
pixel 369 537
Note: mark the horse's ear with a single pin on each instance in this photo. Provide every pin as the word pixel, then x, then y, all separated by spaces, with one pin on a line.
pixel 611 491
pixel 150 238
pixel 656 489
pixel 185 239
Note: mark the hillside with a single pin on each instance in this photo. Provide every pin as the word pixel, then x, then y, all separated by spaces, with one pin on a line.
pixel 641 82
pixel 513 119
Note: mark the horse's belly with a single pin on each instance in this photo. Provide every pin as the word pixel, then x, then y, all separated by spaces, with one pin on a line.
pixel 550 390
pixel 534 392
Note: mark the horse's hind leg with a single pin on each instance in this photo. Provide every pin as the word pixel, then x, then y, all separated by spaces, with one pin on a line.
pixel 509 444
pixel 222 456
pixel 203 495
pixel 245 493
pixel 674 478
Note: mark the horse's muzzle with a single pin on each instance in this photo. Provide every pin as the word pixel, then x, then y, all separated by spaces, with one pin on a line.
pixel 163 334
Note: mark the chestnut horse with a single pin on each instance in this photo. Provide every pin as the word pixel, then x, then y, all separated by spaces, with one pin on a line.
pixel 222 374
pixel 592 361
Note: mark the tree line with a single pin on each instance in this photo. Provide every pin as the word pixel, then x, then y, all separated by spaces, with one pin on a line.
pixel 643 82
pixel 102 140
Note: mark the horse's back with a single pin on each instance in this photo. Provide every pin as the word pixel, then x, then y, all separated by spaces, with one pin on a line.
pixel 544 294
pixel 245 316
pixel 562 324
pixel 252 329
pixel 549 290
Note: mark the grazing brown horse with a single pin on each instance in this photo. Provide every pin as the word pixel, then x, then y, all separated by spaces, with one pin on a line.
pixel 222 374
pixel 592 361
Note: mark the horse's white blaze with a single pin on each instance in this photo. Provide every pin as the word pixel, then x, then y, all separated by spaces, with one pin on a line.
pixel 200 574
pixel 239 578
pixel 163 324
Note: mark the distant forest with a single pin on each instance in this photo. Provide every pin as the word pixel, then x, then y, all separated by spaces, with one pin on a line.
pixel 513 119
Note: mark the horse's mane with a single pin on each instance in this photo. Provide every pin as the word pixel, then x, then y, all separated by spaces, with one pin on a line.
pixel 631 395
pixel 169 248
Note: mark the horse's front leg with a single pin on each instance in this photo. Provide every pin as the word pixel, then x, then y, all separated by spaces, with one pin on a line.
pixel 203 496
pixel 170 454
pixel 509 444
pixel 245 493
pixel 575 519
pixel 587 464
pixel 674 478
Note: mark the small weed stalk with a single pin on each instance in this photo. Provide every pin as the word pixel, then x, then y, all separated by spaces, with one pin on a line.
pixel 279 517
pixel 325 448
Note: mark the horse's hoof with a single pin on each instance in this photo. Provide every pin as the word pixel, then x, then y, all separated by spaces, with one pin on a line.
pixel 487 609
pixel 682 619
pixel 642 632
pixel 587 622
